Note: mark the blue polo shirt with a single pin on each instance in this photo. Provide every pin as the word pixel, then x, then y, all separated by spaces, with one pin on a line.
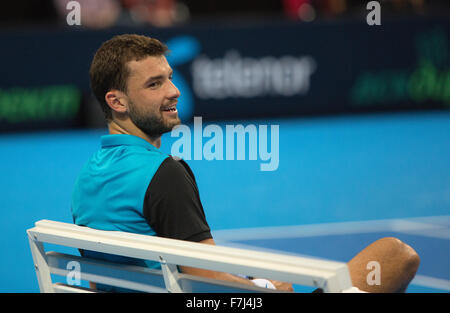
pixel 129 185
pixel 110 189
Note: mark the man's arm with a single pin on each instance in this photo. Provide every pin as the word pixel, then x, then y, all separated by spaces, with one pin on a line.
pixel 220 275
pixel 214 274
pixel 228 277
pixel 173 209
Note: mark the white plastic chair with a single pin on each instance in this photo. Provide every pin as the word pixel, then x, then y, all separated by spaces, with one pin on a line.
pixel 329 275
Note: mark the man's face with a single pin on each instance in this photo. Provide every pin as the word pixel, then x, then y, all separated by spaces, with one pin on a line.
pixel 152 96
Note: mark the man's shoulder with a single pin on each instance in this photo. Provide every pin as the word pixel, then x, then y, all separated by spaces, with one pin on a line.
pixel 175 165
pixel 174 170
pixel 130 156
pixel 134 165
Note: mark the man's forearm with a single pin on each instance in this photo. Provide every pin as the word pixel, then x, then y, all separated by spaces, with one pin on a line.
pixel 215 275
pixel 230 277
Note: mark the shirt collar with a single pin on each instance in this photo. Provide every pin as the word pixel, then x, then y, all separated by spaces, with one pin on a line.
pixel 124 139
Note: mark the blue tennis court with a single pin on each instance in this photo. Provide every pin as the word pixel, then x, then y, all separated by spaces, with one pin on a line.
pixel 341 183
pixel 341 241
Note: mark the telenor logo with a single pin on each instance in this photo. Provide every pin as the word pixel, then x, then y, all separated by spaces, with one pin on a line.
pixel 236 76
pixel 182 50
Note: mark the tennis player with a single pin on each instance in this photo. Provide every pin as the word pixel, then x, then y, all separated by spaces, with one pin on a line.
pixel 130 185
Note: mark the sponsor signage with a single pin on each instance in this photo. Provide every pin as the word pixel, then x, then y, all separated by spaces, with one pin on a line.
pixel 236 72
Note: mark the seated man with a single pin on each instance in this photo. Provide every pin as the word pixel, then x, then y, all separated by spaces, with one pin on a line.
pixel 130 185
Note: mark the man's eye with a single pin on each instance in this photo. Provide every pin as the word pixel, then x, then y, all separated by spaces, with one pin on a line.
pixel 154 84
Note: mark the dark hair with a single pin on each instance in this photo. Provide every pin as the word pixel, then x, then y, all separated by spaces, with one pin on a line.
pixel 108 68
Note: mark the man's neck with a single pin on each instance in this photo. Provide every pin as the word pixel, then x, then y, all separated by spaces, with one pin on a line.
pixel 131 129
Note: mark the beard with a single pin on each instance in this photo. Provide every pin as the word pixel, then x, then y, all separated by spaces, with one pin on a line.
pixel 151 124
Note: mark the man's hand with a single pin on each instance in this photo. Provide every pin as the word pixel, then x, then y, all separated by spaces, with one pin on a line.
pixel 282 285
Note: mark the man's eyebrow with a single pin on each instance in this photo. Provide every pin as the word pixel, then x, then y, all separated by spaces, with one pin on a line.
pixel 157 77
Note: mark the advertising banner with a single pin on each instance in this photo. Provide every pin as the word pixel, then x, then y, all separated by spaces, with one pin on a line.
pixel 277 69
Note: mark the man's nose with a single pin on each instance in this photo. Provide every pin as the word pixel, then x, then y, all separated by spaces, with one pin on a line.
pixel 174 92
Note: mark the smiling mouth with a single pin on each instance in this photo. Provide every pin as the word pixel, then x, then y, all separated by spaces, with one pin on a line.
pixel 170 108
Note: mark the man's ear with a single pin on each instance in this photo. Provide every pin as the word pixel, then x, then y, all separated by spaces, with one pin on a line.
pixel 117 101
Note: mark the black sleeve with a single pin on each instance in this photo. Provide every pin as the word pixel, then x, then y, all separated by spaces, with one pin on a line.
pixel 172 203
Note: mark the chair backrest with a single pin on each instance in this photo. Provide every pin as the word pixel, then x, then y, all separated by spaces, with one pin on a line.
pixel 329 275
